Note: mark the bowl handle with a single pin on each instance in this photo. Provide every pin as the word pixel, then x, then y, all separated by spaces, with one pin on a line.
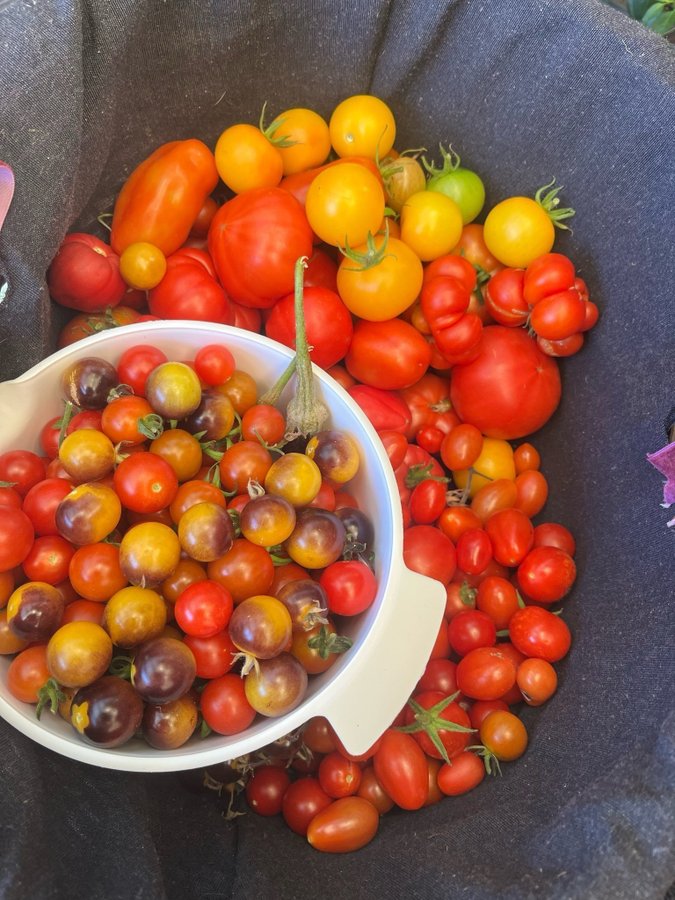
pixel 374 690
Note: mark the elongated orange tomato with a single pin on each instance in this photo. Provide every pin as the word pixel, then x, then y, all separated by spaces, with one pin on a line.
pixel 162 197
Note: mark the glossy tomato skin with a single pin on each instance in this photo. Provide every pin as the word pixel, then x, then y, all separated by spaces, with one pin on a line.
pixel 346 825
pixel 328 324
pixel 546 574
pixel 537 632
pixel 486 673
pixel 428 551
pixel 189 291
pixel 265 789
pixel 466 772
pixel 401 768
pixel 390 355
pixel 302 801
pixel 511 389
pixel 254 241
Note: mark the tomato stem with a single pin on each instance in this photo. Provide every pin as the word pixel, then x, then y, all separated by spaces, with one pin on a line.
pixel 326 643
pixel 64 421
pixel 549 202
pixel 451 161
pixel 49 694
pixel 270 131
pixel 432 722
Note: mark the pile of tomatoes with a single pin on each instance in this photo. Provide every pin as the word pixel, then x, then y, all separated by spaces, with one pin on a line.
pixel 445 325
pixel 157 562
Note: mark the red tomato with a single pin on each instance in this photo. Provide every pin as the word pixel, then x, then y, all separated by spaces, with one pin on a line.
pixel 427 501
pixel 85 274
pixel 498 598
pixel 471 629
pixel 474 551
pixel 546 574
pixel 546 275
pixel 10 497
pixel 302 801
pixel 224 705
pixel 27 673
pixel 511 389
pixel 339 776
pixel 558 316
pixel 350 587
pixel 204 608
pixel 385 409
pixel 537 632
pixel 401 768
pixel 254 241
pixel 427 399
pixel 321 271
pixel 189 291
pixel 395 445
pixel 83 611
pixel 551 534
pixel 389 355
pixel 486 673
pixel 428 551
pixel 439 675
pixel 265 789
pixel 41 501
pixel 481 709
pixel 347 824
pixel 136 363
pixel 145 482
pixel 504 298
pixel 16 537
pixel 328 324
pixel 214 656
pixel 466 772
pixel 48 559
pixel 22 469
pixel 511 534
pixel 453 741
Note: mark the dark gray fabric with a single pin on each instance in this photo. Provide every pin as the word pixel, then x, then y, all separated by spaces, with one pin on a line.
pixel 525 89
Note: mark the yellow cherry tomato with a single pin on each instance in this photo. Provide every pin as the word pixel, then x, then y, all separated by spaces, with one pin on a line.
pixel 362 125
pixel 344 204
pixel 87 454
pixel 302 139
pixel 495 461
pixel 134 615
pixel 245 159
pixel 380 279
pixel 295 477
pixel 142 266
pixel 517 231
pixel 431 224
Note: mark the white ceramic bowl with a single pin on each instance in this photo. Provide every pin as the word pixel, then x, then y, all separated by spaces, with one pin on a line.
pixel 362 693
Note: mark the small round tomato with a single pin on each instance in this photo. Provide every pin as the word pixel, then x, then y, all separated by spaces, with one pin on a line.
pixel 245 159
pixel 546 574
pixel 350 587
pixel 471 629
pixel 494 462
pixel 430 552
pixel 485 673
pixel 22 469
pixel 142 266
pixel 41 502
pixel 203 609
pixel 224 706
pixel 302 801
pixel 136 363
pixel 301 138
pixel 94 571
pixel 431 224
pixel 79 653
pixel 474 551
pixel 504 735
pixel 345 203
pixel 145 482
pixel 214 364
pixel 466 772
pixel 552 534
pixel 27 673
pixel 379 279
pixel 537 681
pixel 245 570
pixel 511 534
pixel 339 776
pixel 265 789
pixel 362 125
pixel 134 615
pixel 517 231
pixel 498 598
pixel 214 656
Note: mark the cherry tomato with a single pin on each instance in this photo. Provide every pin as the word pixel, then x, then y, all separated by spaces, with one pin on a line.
pixel 546 574
pixel 345 204
pixel 428 551
pixel 136 363
pixel 466 772
pixel 265 789
pixel 362 125
pixel 518 230
pixel 142 265
pixel 511 534
pixel 401 768
pixel 486 673
pixel 474 551
pixel 27 673
pixel 427 501
pixel 245 570
pixel 22 469
pixel 246 159
pixel 338 776
pixel 214 656
pixel 537 681
pixel 203 609
pixel 504 735
pixel 431 224
pixel 433 722
pixel 471 629
pixel 498 598
pixel 551 534
pixel 350 587
pixel 537 632
pixel 301 137
pixel 224 705
pixel 346 825
pixel 302 801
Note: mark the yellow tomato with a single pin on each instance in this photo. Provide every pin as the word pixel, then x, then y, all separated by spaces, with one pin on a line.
pixel 384 285
pixel 431 224
pixel 142 266
pixel 344 204
pixel 245 159
pixel 302 139
pixel 495 461
pixel 517 231
pixel 362 125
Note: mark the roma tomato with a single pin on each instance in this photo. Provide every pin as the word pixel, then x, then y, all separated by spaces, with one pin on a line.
pixel 347 824
pixel 401 768
pixel 254 241
pixel 537 632
pixel 385 409
pixel 389 355
pixel 485 673
pixel 511 534
pixel 511 389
